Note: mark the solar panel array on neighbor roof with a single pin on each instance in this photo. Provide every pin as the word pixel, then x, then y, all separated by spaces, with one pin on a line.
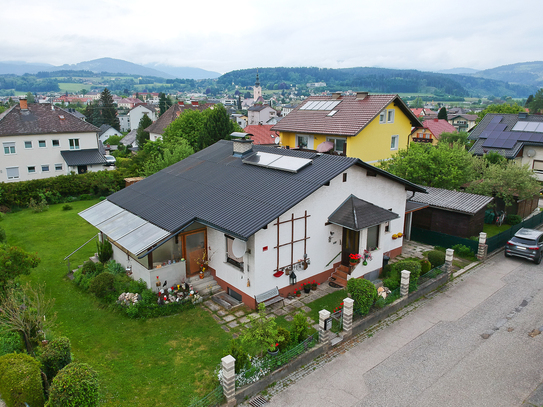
pixel 497 137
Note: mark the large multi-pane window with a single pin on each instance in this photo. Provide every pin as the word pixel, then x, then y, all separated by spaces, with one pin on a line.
pixel 74 144
pixel 9 147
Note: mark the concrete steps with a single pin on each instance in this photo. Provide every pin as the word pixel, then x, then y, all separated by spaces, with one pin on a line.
pixel 206 286
pixel 340 276
pixel 225 301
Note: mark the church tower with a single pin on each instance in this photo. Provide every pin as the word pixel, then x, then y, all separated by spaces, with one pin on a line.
pixel 257 89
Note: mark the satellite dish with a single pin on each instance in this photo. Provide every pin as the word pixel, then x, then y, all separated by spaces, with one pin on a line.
pixel 277 140
pixel 239 248
pixel 530 152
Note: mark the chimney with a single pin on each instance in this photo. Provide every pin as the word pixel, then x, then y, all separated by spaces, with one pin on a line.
pixel 242 144
pixel 23 103
pixel 361 95
pixel 336 95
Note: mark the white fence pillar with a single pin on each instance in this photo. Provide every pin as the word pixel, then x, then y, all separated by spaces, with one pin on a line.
pixel 229 379
pixel 324 336
pixel 348 310
pixel 449 255
pixel 483 247
pixel 404 283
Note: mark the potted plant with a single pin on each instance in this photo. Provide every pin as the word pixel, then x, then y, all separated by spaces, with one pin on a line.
pixel 274 349
pixel 202 263
pixel 297 293
pixel 306 288
pixel 314 285
pixel 354 258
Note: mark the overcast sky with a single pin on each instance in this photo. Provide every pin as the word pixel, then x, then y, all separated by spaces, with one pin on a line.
pixel 221 36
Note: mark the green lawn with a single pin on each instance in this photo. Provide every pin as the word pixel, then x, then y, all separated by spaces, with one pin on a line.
pixel 158 362
pixel 72 87
pixel 493 230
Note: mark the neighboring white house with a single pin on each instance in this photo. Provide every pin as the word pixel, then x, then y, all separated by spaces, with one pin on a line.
pixel 41 141
pixel 257 214
pixel 124 121
pixel 106 131
pixel 260 114
pixel 137 113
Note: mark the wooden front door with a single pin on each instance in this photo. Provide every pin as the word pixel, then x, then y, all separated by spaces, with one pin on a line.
pixel 194 245
pixel 349 244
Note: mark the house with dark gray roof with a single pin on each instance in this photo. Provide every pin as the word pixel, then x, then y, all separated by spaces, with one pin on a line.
pixel 41 141
pixel 106 131
pixel 517 137
pixel 260 217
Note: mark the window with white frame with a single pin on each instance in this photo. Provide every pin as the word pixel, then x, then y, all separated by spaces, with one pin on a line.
pixel 9 147
pixel 394 141
pixel 45 168
pixel 31 169
pixel 56 143
pixel 12 172
pixel 372 241
pixel 301 141
pixel 390 116
pixel 230 257
pixel 42 144
pixel 58 167
pixel 28 144
pixel 339 143
pixel 74 144
pixel 382 117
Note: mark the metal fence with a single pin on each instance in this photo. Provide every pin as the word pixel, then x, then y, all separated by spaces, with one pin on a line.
pixel 499 241
pixel 436 271
pixel 441 239
pixel 215 398
pixel 266 364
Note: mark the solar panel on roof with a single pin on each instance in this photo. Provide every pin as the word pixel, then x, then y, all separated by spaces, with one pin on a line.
pixel 319 105
pixel 531 126
pixel 277 162
pixel 539 128
pixel 509 144
pixel 520 126
pixel 496 119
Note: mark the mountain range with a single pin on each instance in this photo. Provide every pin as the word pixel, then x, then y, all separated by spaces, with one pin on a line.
pixel 110 65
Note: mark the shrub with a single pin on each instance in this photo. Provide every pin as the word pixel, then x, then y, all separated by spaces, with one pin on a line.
pixel 20 380
pixel 10 342
pixel 115 268
pixel 414 267
pixel 513 219
pixel 83 280
pixel 436 258
pixel 299 329
pixel 263 333
pixel 85 197
pixel 104 250
pixel 55 356
pixel 387 270
pixel 102 285
pixel 380 303
pixel 425 266
pixel 239 353
pixel 74 385
pixel 285 342
pixel 462 251
pixel 89 267
pixel 67 207
pixel 2 235
pixel 391 283
pixel 38 206
pixel 364 294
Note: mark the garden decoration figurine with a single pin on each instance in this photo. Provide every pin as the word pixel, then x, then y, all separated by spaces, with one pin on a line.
pixel 354 258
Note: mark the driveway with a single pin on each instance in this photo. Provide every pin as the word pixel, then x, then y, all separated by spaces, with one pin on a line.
pixel 466 346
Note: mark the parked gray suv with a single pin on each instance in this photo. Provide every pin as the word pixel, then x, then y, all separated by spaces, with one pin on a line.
pixel 527 243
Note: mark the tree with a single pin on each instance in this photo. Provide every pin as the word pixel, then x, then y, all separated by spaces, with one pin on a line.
pixel 172 154
pixel 528 101
pixel 15 262
pixel 536 105
pixel 189 126
pixel 454 137
pixel 30 97
pixel 263 333
pixel 142 136
pixel 505 179
pixel 164 103
pixel 441 166
pixel 500 108
pixel 417 103
pixel 28 312
pixel 442 114
pixel 217 126
pixel 114 140
pixel 108 111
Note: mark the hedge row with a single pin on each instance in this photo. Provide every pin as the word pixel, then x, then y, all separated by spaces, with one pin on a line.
pixel 58 189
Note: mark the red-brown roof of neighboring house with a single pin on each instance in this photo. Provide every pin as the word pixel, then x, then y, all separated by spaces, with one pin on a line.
pixel 169 116
pixel 438 126
pixel 262 133
pixel 351 116
pixel 418 111
pixel 41 119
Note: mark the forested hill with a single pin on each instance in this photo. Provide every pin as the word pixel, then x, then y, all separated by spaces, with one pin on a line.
pixel 378 80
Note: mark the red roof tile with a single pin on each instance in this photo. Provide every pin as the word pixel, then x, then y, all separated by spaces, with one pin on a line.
pixel 351 117
pixel 438 126
pixel 262 133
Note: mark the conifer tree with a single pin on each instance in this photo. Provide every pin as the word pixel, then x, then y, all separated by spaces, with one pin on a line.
pixel 108 110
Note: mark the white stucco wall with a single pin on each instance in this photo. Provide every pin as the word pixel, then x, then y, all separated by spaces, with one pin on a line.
pixel 525 160
pixel 39 156
pixel 260 264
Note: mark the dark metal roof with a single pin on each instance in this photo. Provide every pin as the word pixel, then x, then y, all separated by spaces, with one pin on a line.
pixel 411 206
pixel 83 157
pixel 356 214
pixel 455 201
pixel 216 189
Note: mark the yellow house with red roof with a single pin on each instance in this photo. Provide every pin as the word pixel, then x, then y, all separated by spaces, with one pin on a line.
pixel 369 127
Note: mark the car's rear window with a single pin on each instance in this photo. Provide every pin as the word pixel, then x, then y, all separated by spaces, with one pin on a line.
pixel 520 240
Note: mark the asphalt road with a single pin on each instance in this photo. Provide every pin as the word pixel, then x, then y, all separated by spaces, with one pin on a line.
pixel 436 354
